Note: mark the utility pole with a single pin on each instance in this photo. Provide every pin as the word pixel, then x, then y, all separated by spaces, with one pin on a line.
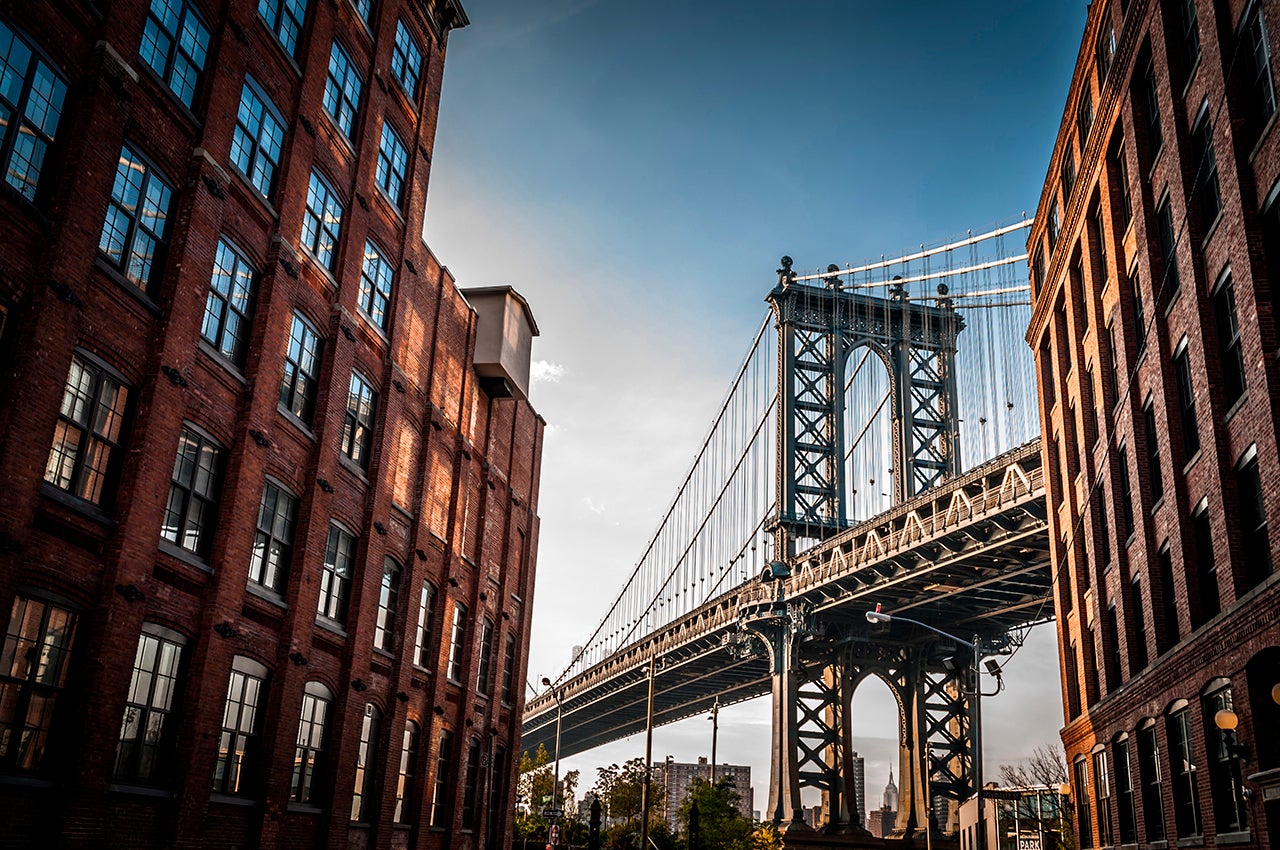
pixel 648 758
pixel 715 730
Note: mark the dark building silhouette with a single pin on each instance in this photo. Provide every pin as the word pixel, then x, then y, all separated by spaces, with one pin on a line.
pixel 268 531
pixel 1155 271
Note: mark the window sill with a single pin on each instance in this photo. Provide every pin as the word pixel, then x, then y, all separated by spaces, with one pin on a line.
pixel 354 468
pixel 295 421
pixel 366 319
pixel 253 191
pixel 25 781
pixel 1157 845
pixel 232 800
pixel 1236 408
pixel 84 508
pixel 1155 161
pixel 179 108
pixel 101 263
pixel 390 203
pixel 186 556
pixel 384 654
pixel 226 365
pixel 1195 458
pixel 140 790
pixel 1213 227
pixel 1193 841
pixel 326 272
pixel 274 39
pixel 1156 505
pixel 1233 838
pixel 267 595
pixel 332 626
pixel 1262 136
pixel 304 809
pixel 1191 75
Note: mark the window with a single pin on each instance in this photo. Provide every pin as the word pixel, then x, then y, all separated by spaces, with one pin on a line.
pixel 175 43
pixel 1206 568
pixel 31 101
pixel 146 733
pixel 342 91
pixel 509 671
pixel 1139 315
pixel 133 232
pixel 1105 51
pixel 1102 797
pixel 335 574
pixel 1149 774
pixel 1186 401
pixel 273 541
pixel 1124 794
pixel 1080 299
pixel 192 509
pixel 1055 226
pixel 1154 474
pixel 1261 89
pixel 284 18
pixel 1084 116
pixel 406 60
pixel 1111 644
pixel 301 369
pixel 1253 520
pixel 1113 363
pixel 1230 812
pixel 440 790
pixel 237 747
pixel 1125 492
pixel 258 138
pixel 469 785
pixel 1151 100
pixel 1100 230
pixel 405 796
pixel 364 799
pixel 365 9
pixel 1138 624
pixel 1037 278
pixel 393 162
pixel 1120 169
pixel 322 222
pixel 37 653
pixel 375 285
pixel 1182 774
pixel 1206 168
pixel 1168 598
pixel 1073 680
pixel 1084 818
pixel 1190 32
pixel 1068 174
pixel 229 306
pixel 457 642
pixel 426 613
pixel 1230 353
pixel 1168 254
pixel 357 425
pixel 308 755
pixel 484 686
pixel 384 631
pixel 86 440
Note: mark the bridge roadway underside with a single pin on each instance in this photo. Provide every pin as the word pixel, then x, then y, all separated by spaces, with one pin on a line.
pixel 970 556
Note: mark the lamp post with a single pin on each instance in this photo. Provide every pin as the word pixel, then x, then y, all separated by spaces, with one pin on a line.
pixel 878 616
pixel 555 787
pixel 715 731
pixel 648 758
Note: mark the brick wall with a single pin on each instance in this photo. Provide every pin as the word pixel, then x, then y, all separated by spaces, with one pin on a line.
pixel 446 464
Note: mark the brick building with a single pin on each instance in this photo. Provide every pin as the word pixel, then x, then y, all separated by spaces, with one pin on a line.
pixel 268 531
pixel 1155 266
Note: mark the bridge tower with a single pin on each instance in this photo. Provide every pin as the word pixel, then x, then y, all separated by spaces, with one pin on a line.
pixel 817 666
pixel 819 327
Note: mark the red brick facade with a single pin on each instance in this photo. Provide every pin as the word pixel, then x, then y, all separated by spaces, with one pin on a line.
pixel 163 655
pixel 1156 279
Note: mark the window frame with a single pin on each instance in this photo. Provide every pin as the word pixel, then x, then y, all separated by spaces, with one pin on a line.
pixel 203 502
pixel 185 89
pixel 225 326
pixel 343 89
pixel 336 577
pixel 239 782
pixel 1206 187
pixel 29 749
pixel 272 572
pixel 426 622
pixel 377 283
pixel 392 172
pixel 89 434
pixel 254 149
pixel 300 402
pixel 1182 773
pixel 364 796
pixel 405 796
pixel 322 202
pixel 1230 345
pixel 457 644
pixel 277 24
pixel 123 266
pixel 141 698
pixel 440 808
pixel 400 56
pixel 1186 394
pixel 41 134
pixel 384 629
pixel 1150 777
pixel 1252 510
pixel 484 667
pixel 309 762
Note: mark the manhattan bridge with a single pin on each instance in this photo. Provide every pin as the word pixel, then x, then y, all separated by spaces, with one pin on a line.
pixel 879 446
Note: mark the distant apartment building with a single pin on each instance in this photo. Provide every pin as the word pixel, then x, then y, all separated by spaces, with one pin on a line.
pixel 675 778
pixel 1155 274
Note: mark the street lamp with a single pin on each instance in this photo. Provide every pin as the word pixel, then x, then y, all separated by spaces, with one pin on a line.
pixel 555 787
pixel 878 616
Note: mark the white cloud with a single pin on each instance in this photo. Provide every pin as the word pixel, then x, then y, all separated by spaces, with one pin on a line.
pixel 592 506
pixel 545 370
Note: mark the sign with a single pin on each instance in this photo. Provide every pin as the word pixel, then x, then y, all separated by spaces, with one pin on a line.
pixel 552 812
pixel 1028 842
pixel 555 835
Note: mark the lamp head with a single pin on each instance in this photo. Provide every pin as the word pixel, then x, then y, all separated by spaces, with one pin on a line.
pixel 1226 720
pixel 1275 693
pixel 775 571
pixel 546 683
pixel 878 616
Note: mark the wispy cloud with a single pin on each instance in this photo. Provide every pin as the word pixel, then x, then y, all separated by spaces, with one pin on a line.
pixel 545 370
pixel 592 506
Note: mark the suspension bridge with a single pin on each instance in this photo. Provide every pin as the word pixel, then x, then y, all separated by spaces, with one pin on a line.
pixel 878 445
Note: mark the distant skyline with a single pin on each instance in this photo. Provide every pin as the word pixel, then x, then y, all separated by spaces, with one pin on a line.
pixel 637 170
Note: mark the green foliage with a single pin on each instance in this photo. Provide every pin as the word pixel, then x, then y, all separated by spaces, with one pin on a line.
pixel 721 825
pixel 620 790
pixel 766 837
pixel 626 835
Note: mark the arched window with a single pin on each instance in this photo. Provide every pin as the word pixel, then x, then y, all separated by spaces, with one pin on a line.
pixel 426 615
pixel 308 759
pixel 1182 771
pixel 483 684
pixel 237 746
pixel 1230 813
pixel 457 642
pixel 405 796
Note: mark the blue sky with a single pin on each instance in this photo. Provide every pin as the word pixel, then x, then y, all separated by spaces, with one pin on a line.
pixel 637 169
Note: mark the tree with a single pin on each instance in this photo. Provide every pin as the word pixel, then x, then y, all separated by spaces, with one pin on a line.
pixel 535 782
pixel 722 826
pixel 766 837
pixel 1045 766
pixel 620 790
